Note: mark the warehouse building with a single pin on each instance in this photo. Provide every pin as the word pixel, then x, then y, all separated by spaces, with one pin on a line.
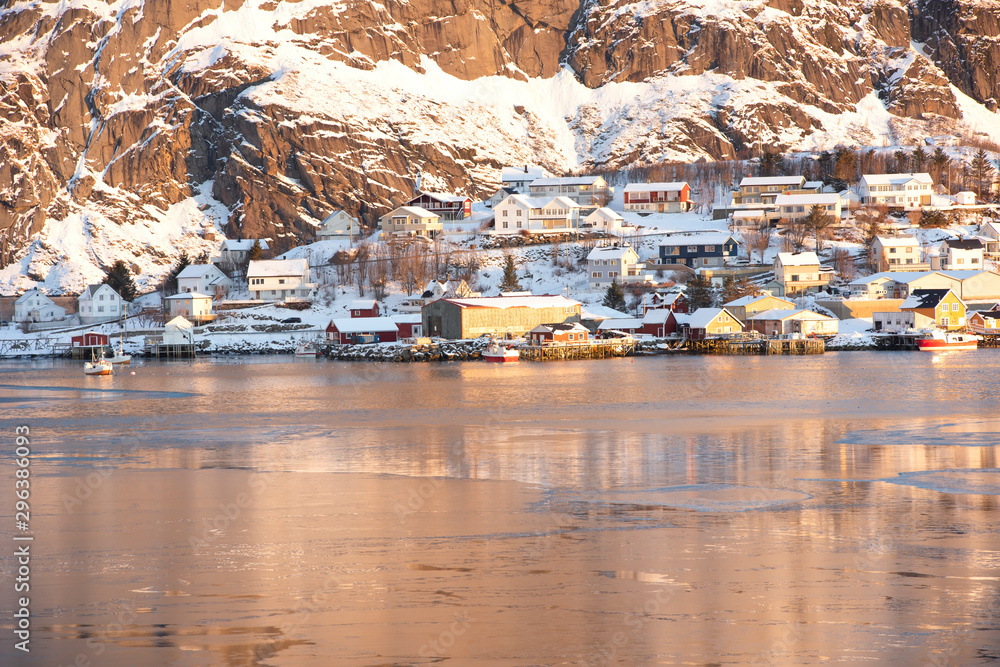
pixel 507 316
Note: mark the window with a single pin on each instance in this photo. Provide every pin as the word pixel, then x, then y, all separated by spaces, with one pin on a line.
pixel 518 224
pixel 505 212
pixel 100 309
pixel 892 251
pixel 954 306
pixel 571 337
pixel 505 224
pixel 281 281
pixel 100 298
pixel 944 321
pixel 710 248
pixel 598 274
pixel 960 261
pixel 692 248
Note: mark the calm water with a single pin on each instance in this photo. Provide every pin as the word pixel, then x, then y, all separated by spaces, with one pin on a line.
pixel 838 509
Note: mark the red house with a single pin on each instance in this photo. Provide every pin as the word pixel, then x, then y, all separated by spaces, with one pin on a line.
pixel 449 207
pixel 674 301
pixel 364 308
pixel 410 326
pixel 568 332
pixel 658 197
pixel 90 339
pixel 360 330
pixel 705 323
pixel 658 322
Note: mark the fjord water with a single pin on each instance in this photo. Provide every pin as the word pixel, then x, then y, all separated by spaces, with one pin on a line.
pixel 679 511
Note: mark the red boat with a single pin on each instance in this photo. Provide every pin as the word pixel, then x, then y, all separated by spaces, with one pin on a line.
pixel 939 341
pixel 497 352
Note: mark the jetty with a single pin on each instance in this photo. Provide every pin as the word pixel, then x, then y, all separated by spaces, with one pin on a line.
pixel 593 349
pixel 755 346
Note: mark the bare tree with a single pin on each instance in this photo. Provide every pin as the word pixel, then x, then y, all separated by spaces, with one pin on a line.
pixel 797 232
pixel 362 261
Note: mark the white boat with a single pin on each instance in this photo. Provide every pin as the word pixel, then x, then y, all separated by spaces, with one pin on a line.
pixel 306 350
pixel 120 357
pixel 939 341
pixel 100 366
pixel 495 351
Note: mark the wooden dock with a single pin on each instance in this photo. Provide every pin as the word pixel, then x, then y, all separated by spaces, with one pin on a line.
pixel 595 349
pixel 756 346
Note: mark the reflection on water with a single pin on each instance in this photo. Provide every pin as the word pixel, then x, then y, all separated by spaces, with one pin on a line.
pixel 689 510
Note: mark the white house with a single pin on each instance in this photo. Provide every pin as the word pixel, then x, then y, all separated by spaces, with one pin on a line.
pixel 799 272
pixel 989 234
pixel 178 331
pixel 748 218
pixel 764 189
pixel 191 305
pixel 801 321
pixel 618 262
pixel 794 207
pixel 500 195
pixel 234 251
pixel 535 215
pixel 958 255
pixel 204 279
pixel 908 190
pixel 584 190
pixel 519 179
pixel 100 303
pixel 411 221
pixel 337 225
pixel 33 306
pixel 280 280
pixel 898 253
pixel 965 198
pixel 604 220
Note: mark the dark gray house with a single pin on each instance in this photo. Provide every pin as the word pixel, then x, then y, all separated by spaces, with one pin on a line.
pixel 700 249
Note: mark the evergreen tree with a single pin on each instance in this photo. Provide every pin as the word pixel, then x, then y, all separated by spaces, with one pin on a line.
pixel 509 282
pixel 982 172
pixel 699 293
pixel 119 277
pixel 919 159
pixel 939 164
pixel 170 281
pixel 736 289
pixel 818 222
pixel 902 162
pixel 255 251
pixel 615 297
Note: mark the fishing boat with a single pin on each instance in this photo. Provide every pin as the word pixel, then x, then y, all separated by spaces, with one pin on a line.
pixel 495 351
pixel 939 341
pixel 306 350
pixel 120 358
pixel 99 366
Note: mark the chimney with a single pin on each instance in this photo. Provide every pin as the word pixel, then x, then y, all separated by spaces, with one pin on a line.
pixel 526 169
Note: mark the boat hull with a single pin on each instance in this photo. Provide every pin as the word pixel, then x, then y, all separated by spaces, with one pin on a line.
pixel 121 361
pixel 501 358
pixel 98 370
pixel 934 345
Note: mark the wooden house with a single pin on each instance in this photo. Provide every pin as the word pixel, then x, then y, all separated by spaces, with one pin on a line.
pixel 33 306
pixel 799 273
pixel 629 325
pixel 411 221
pixel 410 325
pixel 364 308
pixel 748 306
pixel 445 206
pixel 705 249
pixel 665 300
pixel 896 190
pixel 783 322
pixel 604 220
pixel 924 309
pixel 90 339
pixel 339 224
pixel 898 253
pixel 584 190
pixel 100 303
pixel 615 263
pixel 508 316
pixel 658 197
pixel 519 179
pixel 280 280
pixel 706 323
pixel 361 330
pixel 204 279
pixel 985 322
pixel 191 305
pixel 657 322
pixel 562 332
pixel 178 331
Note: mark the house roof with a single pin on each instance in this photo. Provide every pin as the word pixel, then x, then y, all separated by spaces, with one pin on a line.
pixel 528 172
pixel 560 326
pixel 417 211
pixel 357 325
pixel 565 180
pixel 747 300
pixel 675 186
pixel 924 298
pixel 898 241
pixel 620 323
pixel 964 244
pixel 441 197
pixel 698 238
pixel 188 295
pixel 34 291
pixel 907 277
pixel 179 322
pixel 754 213
pixel 362 304
pixel 541 202
pixel 808 258
pixel 328 219
pixel 897 179
pixel 820 199
pixel 600 313
pixel 520 301
pixel 242 244
pixel 271 268
pixel 606 213
pixel 798 314
pixel 702 317
pixel 197 270
pixel 408 318
pixel 656 316
pixel 610 252
pixel 818 185
pixel 772 180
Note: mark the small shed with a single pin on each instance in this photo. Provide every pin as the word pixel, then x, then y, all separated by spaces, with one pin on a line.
pixel 364 308
pixel 178 331
pixel 410 325
pixel 561 332
pixel 360 330
pixel 90 339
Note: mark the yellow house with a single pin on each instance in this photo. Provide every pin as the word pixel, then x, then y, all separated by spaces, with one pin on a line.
pixel 748 306
pixel 939 308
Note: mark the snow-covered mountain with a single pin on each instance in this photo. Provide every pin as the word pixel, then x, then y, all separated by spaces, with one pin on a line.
pixel 131 129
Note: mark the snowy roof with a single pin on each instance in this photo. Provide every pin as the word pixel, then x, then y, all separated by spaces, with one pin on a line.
pixel 528 172
pixel 702 317
pixel 807 199
pixel 813 185
pixel 336 213
pixel 747 300
pixel 92 290
pixel 359 325
pixel 897 241
pixel 178 322
pixel 781 314
pixel 699 238
pixel 242 244
pixel 675 186
pixel 910 276
pixel 417 211
pixel 897 179
pixel 408 318
pixel 197 270
pixel 525 301
pixel 924 298
pixel 34 291
pixel 565 180
pixel 541 202
pixel 757 213
pixel 610 252
pixel 964 244
pixel 808 258
pixel 362 304
pixel 622 323
pixel 188 295
pixel 606 213
pixel 772 180
pixel 600 313
pixel 560 326
pixel 271 268
pixel 441 196
pixel 656 315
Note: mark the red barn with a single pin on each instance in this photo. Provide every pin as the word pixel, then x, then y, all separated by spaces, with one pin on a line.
pixel 364 308
pixel 449 207
pixel 359 330
pixel 674 301
pixel 90 339
pixel 568 332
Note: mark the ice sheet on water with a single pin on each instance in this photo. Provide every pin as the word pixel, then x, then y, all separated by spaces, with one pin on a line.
pixel 969 481
pixel 700 497
pixel 965 434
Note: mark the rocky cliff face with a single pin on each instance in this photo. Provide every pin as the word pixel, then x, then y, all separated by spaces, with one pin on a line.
pixel 262 117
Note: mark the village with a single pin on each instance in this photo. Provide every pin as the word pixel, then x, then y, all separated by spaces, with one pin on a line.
pixel 571 263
